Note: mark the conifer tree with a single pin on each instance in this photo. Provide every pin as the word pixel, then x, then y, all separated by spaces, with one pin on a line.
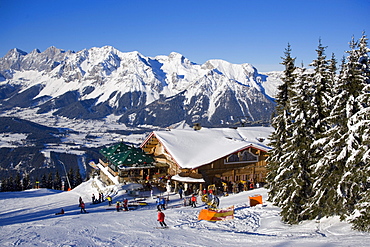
pixel 362 219
pixel 332 72
pixel 26 182
pixel 57 181
pixel 9 184
pixel 294 174
pixel 358 163
pixel 43 181
pixel 337 191
pixel 356 78
pixel 322 82
pixel 18 182
pixel 78 178
pixel 3 185
pixel 280 122
pixel 49 181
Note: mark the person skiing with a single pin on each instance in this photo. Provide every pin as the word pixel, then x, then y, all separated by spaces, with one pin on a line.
pixel 79 201
pixel 93 198
pixel 161 219
pixel 83 207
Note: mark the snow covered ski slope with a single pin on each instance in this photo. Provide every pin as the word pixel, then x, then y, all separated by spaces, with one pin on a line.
pixel 28 218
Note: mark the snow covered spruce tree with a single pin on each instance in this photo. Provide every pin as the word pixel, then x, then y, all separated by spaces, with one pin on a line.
pixel 361 220
pixel 280 122
pixel 288 163
pixel 294 172
pixel 358 163
pixel 341 174
pixel 320 162
pixel 322 82
pixel 306 109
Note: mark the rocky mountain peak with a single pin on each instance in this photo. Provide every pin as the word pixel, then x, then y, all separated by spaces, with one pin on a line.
pixel 103 81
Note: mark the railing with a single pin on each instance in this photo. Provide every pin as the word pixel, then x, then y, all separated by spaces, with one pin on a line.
pixel 112 172
pixel 103 163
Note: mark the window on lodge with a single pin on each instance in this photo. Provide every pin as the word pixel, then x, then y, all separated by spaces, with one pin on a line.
pixel 245 156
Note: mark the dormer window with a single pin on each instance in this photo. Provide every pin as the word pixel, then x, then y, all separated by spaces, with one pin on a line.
pixel 233 158
pixel 245 156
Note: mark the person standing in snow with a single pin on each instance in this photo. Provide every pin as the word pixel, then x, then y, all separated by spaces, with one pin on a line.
pixel 118 206
pixel 109 200
pixel 180 192
pixel 93 198
pixel 158 202
pixel 163 203
pixel 193 201
pixel 83 207
pixel 125 204
pixel 161 218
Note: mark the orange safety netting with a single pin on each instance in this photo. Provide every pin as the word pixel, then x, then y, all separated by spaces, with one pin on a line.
pixel 216 214
pixel 254 200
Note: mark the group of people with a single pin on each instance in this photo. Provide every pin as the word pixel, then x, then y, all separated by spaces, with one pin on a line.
pixel 124 205
pixel 161 203
pixel 192 200
pixel 97 200
pixel 81 203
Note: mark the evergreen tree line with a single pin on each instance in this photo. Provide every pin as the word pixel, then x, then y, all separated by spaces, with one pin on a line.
pixel 320 162
pixel 49 181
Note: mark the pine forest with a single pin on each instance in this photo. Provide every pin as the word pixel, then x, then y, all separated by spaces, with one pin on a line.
pixel 320 162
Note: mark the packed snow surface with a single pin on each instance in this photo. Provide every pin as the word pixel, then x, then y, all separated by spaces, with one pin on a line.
pixel 28 218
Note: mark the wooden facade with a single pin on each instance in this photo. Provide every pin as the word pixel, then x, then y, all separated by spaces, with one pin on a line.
pixel 228 169
pixel 248 164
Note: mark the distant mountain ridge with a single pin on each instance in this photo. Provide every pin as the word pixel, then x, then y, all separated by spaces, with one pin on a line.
pixel 138 90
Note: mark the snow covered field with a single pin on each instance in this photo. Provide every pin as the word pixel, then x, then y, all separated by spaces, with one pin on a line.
pixel 28 218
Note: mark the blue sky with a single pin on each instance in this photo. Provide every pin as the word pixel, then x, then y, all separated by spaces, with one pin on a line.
pixel 238 31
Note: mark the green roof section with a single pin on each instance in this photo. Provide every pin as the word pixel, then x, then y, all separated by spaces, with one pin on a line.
pixel 115 149
pixel 127 157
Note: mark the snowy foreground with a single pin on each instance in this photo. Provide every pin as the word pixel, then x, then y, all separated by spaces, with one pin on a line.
pixel 28 219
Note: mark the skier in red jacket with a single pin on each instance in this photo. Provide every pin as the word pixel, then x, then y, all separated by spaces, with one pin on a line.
pixel 82 205
pixel 161 218
pixel 193 202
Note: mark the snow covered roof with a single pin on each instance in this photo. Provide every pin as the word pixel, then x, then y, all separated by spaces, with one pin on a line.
pixel 194 148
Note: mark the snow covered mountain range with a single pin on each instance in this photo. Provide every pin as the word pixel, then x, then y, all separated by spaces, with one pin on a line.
pixel 136 90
